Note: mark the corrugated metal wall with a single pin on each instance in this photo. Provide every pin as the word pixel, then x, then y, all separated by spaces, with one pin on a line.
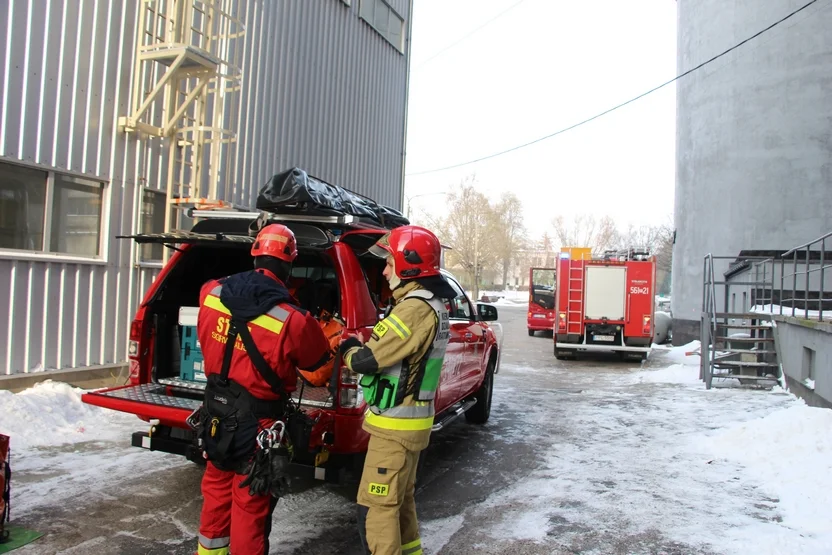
pixel 322 91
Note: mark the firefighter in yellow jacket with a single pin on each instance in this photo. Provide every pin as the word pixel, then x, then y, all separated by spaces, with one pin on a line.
pixel 400 366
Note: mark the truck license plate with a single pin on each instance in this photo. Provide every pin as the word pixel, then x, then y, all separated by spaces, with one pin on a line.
pixel 538 316
pixel 603 337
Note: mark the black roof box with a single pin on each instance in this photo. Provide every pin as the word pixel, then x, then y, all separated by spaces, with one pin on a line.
pixel 294 191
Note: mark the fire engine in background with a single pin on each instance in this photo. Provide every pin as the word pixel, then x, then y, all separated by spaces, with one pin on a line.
pixel 541 315
pixel 605 303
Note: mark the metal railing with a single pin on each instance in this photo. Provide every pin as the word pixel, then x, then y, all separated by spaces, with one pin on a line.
pixel 718 310
pixel 762 281
pixel 811 261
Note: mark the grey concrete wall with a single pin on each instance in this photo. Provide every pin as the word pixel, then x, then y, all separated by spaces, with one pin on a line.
pixel 754 135
pixel 801 342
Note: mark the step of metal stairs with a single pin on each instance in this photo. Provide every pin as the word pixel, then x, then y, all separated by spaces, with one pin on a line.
pixel 744 315
pixel 745 339
pixel 748 351
pixel 741 377
pixel 740 363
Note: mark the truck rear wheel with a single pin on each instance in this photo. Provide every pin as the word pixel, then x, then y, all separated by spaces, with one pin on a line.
pixel 479 413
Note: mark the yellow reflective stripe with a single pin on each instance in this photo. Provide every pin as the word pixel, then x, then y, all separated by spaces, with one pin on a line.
pixel 208 551
pixel 214 302
pixel 401 424
pixel 412 548
pixel 267 322
pixel 402 326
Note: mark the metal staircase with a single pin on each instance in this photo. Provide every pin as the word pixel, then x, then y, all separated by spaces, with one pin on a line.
pixel 186 85
pixel 737 345
pixel 742 347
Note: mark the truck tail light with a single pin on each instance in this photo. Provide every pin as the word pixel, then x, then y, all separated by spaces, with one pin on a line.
pixel 350 394
pixel 135 338
pixel 646 327
pixel 561 321
pixel 134 349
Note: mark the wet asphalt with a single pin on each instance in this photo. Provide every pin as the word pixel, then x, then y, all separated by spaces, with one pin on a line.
pixel 546 474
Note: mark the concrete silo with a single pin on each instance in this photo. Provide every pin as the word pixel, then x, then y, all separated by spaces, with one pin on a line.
pixel 754 137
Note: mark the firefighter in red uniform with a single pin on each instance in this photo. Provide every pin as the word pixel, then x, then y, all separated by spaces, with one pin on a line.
pixel 242 397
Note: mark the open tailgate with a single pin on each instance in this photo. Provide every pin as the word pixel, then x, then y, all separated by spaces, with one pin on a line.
pixel 167 403
pixel 148 401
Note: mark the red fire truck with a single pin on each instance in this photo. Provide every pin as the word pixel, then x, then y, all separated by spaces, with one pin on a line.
pixel 605 303
pixel 541 316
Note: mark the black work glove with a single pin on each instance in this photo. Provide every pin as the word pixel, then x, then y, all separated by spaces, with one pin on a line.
pixel 279 465
pixel 348 344
pixel 258 474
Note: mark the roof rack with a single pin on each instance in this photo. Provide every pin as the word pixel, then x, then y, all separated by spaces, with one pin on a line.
pixel 230 212
pixel 633 253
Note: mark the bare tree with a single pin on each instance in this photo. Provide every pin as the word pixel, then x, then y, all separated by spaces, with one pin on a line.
pixel 585 231
pixel 547 245
pixel 468 230
pixel 659 239
pixel 509 231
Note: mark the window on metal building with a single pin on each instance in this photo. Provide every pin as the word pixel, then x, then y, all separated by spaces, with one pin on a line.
pixel 49 212
pixel 153 221
pixel 385 20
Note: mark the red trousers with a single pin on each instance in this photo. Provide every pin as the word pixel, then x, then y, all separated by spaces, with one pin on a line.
pixel 231 517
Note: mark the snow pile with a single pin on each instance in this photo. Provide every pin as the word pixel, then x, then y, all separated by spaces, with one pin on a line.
pixel 790 453
pixel 684 368
pixel 510 302
pixel 684 354
pixel 677 373
pixel 789 311
pixel 51 413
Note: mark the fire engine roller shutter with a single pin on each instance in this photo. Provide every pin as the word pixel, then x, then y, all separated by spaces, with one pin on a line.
pixel 606 292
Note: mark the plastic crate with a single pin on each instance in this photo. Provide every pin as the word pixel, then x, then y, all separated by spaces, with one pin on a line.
pixel 190 352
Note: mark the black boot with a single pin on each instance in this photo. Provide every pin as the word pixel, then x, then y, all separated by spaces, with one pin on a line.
pixel 362 528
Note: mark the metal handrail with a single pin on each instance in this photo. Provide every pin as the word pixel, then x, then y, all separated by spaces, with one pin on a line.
pixel 806 271
pixel 810 243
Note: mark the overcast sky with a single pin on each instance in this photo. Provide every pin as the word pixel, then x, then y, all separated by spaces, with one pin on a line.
pixel 540 67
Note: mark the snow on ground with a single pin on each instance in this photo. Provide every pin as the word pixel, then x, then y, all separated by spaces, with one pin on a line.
pixel 51 413
pixel 61 447
pixel 654 455
pixel 504 298
pixel 647 453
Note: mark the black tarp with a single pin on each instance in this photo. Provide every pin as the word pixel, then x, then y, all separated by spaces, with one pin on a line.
pixel 294 191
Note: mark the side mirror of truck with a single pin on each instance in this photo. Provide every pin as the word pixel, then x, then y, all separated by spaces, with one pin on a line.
pixel 487 312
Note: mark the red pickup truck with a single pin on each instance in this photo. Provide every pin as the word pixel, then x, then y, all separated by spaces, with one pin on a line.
pixel 333 273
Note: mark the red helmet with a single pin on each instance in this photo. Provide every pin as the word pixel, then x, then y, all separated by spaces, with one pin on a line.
pixel 276 240
pixel 415 250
